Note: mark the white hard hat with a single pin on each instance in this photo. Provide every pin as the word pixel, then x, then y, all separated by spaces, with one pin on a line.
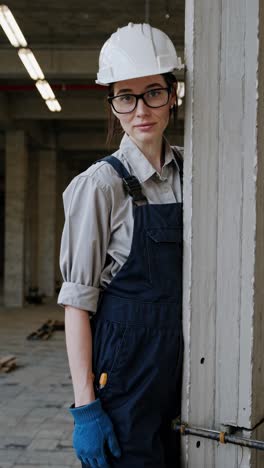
pixel 136 50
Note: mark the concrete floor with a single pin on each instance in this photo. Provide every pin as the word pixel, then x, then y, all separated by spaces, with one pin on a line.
pixel 35 426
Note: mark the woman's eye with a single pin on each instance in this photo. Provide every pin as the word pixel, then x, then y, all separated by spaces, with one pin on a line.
pixel 125 98
pixel 154 93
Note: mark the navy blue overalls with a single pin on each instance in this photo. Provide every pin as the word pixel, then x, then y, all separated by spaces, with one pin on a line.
pixel 137 335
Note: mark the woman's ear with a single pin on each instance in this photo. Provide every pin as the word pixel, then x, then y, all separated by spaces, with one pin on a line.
pixel 173 95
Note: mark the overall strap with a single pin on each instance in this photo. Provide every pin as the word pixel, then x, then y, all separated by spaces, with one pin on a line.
pixel 130 182
pixel 179 160
pixel 117 165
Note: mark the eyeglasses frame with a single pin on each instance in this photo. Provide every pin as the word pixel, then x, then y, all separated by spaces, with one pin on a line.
pixel 110 99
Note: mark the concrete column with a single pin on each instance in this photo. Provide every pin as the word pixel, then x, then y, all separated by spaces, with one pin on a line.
pixel 31 247
pixel 62 182
pixel 47 221
pixel 224 225
pixel 15 208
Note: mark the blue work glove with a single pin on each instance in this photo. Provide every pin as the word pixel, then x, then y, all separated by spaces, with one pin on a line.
pixel 92 430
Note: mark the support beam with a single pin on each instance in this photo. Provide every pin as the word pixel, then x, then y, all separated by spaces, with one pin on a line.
pixel 63 179
pixel 224 225
pixel 47 219
pixel 31 245
pixel 15 212
pixel 4 111
pixel 80 63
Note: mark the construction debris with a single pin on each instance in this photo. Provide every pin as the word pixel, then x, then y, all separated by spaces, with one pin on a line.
pixel 7 363
pixel 46 330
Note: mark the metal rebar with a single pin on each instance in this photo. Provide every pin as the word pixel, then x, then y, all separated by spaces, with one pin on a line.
pixel 221 437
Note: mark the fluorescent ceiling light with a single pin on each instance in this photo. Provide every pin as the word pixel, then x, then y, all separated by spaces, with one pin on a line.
pixel 31 64
pixel 45 89
pixel 53 105
pixel 11 27
pixel 179 102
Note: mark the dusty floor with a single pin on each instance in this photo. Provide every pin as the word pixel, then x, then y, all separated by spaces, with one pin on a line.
pixel 35 426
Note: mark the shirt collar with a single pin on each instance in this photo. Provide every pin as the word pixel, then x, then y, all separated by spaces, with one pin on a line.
pixel 140 165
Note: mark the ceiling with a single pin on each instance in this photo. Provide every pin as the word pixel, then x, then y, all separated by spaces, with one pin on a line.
pixel 89 23
pixel 66 38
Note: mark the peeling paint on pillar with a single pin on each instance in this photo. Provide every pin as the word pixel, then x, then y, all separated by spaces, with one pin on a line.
pixel 224 224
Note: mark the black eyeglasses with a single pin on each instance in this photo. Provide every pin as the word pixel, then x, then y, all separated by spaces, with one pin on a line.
pixel 126 103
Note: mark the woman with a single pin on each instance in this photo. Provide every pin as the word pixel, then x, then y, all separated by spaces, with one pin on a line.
pixel 121 261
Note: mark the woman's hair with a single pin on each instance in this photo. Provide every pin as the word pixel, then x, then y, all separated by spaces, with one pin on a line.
pixel 114 127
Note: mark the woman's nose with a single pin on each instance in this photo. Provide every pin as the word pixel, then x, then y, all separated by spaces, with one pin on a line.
pixel 142 108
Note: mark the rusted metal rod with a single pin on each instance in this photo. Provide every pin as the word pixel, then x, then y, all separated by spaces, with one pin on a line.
pixel 221 437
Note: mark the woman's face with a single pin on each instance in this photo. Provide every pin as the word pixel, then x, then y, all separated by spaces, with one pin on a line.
pixel 145 125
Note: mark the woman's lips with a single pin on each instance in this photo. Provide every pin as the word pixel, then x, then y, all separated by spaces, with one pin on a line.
pixel 145 127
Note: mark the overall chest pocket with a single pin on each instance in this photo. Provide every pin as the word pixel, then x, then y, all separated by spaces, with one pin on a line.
pixel 165 249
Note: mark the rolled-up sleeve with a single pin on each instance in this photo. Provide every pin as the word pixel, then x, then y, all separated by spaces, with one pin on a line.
pixel 84 242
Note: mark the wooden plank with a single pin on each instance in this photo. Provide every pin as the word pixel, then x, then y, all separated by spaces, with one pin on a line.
pixel 6 359
pixel 7 363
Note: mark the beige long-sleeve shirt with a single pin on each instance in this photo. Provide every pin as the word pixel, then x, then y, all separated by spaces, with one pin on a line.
pixel 98 229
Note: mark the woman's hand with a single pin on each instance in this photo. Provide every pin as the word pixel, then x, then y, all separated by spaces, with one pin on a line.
pixel 92 430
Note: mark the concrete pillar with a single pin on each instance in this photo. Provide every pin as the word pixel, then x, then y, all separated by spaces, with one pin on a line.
pixel 15 208
pixel 62 182
pixel 224 224
pixel 47 220
pixel 31 247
